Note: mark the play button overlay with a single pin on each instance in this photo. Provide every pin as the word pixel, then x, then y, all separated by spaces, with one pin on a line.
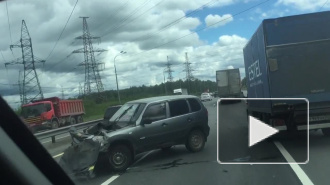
pixel 259 131
pixel 264 130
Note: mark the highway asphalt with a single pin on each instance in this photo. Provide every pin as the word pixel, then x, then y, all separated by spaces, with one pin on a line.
pixel 178 166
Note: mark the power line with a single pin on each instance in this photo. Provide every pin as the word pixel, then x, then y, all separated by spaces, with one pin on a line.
pixel 122 25
pixel 125 19
pixel 11 40
pixel 207 26
pixel 63 29
pixel 111 16
pixel 324 4
pixel 172 23
pixel 133 12
pixel 3 57
pixel 176 21
pixel 201 29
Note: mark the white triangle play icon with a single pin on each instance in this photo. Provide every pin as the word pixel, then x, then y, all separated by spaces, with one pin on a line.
pixel 259 131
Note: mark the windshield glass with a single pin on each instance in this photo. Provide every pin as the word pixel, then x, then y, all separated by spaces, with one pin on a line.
pixel 33 110
pixel 124 115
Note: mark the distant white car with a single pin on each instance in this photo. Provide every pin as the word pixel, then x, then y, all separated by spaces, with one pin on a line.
pixel 206 97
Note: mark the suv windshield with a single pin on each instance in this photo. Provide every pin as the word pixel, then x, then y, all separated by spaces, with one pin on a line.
pixel 33 110
pixel 124 116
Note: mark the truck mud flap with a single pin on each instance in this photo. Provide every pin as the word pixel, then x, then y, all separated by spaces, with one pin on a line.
pixel 80 158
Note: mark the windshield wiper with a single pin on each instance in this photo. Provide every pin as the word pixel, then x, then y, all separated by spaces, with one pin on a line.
pixel 121 115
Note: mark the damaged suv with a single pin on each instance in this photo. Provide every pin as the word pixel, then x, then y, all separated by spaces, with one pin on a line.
pixel 152 123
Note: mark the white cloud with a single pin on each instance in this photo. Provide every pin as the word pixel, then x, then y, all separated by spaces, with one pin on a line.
pixel 217 20
pixel 193 4
pixel 264 14
pixel 304 4
pixel 137 35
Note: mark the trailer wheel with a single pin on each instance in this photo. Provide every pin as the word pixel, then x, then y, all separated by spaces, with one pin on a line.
pixel 80 119
pixel 326 131
pixel 54 124
pixel 73 121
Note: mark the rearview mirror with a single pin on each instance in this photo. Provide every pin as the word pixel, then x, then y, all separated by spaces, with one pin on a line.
pixel 146 121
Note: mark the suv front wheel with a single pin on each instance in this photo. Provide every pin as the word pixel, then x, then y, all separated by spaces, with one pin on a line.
pixel 195 141
pixel 120 157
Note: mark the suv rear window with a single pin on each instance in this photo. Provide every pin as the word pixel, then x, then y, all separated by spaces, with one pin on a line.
pixel 194 105
pixel 178 107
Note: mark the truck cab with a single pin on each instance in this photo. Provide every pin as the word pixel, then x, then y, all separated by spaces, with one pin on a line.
pixel 180 91
pixel 36 115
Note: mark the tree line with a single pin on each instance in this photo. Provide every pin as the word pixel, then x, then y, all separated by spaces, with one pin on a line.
pixel 194 87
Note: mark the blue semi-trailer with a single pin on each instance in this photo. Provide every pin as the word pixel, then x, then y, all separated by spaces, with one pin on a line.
pixel 289 57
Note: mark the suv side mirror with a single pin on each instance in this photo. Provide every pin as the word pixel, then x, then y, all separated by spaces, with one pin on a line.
pixel 146 121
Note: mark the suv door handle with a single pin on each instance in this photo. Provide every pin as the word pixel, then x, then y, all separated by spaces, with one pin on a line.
pixel 164 124
pixel 189 119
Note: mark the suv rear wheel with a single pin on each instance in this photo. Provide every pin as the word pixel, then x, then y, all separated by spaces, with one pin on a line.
pixel 120 157
pixel 195 141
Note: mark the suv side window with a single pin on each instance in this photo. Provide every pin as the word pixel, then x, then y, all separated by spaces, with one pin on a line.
pixel 194 105
pixel 155 112
pixel 178 107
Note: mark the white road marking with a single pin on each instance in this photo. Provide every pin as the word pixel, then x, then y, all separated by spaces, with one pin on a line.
pixel 56 139
pixel 110 180
pixel 58 155
pixel 305 180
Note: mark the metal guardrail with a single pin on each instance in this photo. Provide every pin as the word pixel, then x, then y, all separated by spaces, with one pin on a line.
pixel 63 130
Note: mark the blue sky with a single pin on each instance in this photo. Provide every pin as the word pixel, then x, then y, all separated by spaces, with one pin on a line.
pixel 246 23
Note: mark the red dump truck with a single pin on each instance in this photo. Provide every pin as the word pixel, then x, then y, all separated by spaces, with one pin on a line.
pixel 52 113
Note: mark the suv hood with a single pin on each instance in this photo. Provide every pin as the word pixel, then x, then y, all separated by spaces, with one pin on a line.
pixel 120 131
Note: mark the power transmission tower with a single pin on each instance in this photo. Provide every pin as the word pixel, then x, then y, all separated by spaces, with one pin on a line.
pixel 188 70
pixel 81 92
pixel 63 97
pixel 31 89
pixel 93 82
pixel 20 86
pixel 169 70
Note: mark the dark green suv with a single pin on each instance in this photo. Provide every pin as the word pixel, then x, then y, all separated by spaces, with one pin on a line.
pixel 152 123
